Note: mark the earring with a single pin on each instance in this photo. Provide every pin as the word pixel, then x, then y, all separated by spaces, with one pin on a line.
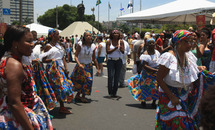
pixel 16 47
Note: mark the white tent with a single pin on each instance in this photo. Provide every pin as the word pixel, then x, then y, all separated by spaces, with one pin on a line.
pixel 40 29
pixel 179 11
pixel 77 28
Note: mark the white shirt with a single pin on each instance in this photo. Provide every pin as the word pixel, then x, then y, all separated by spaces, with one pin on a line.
pixel 76 40
pixel 36 52
pixel 103 51
pixel 133 41
pixel 56 52
pixel 85 55
pixel 151 59
pixel 115 54
pixel 173 78
pixel 126 52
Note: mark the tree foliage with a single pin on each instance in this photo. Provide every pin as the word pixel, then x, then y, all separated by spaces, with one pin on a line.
pixel 66 15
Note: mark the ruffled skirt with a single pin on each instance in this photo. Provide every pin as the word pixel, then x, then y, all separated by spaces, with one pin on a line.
pixel 143 87
pixel 38 116
pixel 44 89
pixel 83 79
pixel 61 85
pixel 185 115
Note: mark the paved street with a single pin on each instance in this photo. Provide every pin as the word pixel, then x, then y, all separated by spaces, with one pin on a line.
pixel 103 113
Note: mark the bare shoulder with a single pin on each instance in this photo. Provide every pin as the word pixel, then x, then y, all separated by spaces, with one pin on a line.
pixel 47 48
pixel 108 42
pixel 13 68
pixel 145 53
pixel 171 52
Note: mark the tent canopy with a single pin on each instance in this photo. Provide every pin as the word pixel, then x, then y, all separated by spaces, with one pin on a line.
pixel 179 11
pixel 40 29
pixel 77 28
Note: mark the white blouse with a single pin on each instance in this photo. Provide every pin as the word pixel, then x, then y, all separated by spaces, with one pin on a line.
pixel 85 55
pixel 56 52
pixel 173 78
pixel 115 54
pixel 151 59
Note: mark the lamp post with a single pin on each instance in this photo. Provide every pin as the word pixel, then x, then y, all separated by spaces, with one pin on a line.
pixel 20 12
pixel 93 9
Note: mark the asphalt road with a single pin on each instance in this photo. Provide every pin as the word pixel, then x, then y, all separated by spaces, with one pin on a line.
pixel 103 113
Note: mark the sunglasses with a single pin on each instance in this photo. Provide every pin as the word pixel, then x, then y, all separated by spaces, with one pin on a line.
pixel 115 31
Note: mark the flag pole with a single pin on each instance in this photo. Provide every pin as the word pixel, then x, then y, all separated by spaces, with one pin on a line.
pixel 98 17
pixel 56 16
pixel 140 5
pixel 133 6
pixel 121 8
pixel 108 14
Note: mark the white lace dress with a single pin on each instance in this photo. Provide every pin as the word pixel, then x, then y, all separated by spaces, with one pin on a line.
pixel 186 87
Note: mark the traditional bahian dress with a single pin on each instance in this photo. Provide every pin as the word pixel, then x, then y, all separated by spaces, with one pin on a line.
pixel 187 88
pixel 61 85
pixel 83 78
pixel 143 86
pixel 44 89
pixel 33 105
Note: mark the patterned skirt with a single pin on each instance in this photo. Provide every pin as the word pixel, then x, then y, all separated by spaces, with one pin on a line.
pixel 38 116
pixel 44 89
pixel 143 87
pixel 185 115
pixel 61 85
pixel 83 79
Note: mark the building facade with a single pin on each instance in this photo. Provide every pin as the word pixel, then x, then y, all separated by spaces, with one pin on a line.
pixel 10 11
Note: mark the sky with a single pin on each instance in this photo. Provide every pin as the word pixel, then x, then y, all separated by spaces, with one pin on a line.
pixel 41 6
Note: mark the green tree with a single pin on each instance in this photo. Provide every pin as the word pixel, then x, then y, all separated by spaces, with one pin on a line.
pixel 124 27
pixel 66 15
pixel 15 22
pixel 26 21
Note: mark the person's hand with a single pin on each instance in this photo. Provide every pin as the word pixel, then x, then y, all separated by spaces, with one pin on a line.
pixel 202 68
pixel 98 73
pixel 128 60
pixel 81 66
pixel 175 100
pixel 116 47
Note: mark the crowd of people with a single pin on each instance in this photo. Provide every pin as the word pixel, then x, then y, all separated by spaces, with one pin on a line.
pixel 171 67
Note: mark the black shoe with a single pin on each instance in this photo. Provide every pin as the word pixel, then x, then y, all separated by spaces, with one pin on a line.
pixel 143 103
pixel 154 104
pixel 114 96
pixel 121 86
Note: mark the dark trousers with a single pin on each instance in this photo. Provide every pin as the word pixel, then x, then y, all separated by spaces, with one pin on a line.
pixel 114 68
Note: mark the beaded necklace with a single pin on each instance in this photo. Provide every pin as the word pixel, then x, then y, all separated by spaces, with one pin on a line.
pixel 182 67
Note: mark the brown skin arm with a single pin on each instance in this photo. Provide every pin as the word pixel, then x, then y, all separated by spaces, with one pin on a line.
pixel 108 50
pixel 78 49
pixel 139 50
pixel 100 49
pixel 45 60
pixel 14 74
pixel 200 50
pixel 162 72
pixel 148 68
pixel 64 63
pixel 122 47
pixel 95 61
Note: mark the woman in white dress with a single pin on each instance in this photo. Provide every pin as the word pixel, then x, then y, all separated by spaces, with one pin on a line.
pixel 179 97
pixel 143 87
pixel 56 69
pixel 82 75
